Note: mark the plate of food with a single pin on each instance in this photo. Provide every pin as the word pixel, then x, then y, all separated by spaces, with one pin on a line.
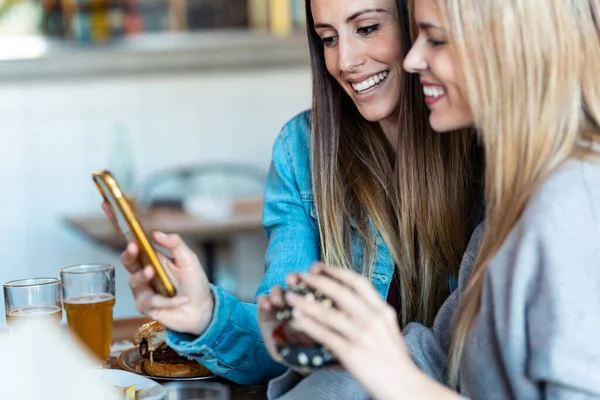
pixel 132 386
pixel 151 357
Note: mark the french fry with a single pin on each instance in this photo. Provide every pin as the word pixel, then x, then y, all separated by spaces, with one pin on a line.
pixel 130 393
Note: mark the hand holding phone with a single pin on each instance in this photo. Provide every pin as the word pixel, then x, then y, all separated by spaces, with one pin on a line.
pixel 131 228
pixel 189 311
pixel 192 309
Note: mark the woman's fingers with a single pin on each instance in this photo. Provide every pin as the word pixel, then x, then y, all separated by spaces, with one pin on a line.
pixel 139 282
pixel 267 322
pixel 182 255
pixel 141 278
pixel 321 333
pixel 130 259
pixel 148 299
pixel 266 310
pixel 159 301
pixel 329 318
pixel 356 282
pixel 276 296
pixel 344 298
pixel 263 304
pixel 149 303
pixel 292 279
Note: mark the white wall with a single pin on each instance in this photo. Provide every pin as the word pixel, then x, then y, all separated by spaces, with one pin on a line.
pixel 54 133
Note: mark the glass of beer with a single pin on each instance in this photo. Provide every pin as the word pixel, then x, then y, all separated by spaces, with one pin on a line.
pixel 89 298
pixel 197 391
pixel 32 298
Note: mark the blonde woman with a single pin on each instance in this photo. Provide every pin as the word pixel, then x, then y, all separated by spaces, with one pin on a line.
pixel 524 321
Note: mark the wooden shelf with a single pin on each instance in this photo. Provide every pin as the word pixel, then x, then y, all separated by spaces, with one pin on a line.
pixel 39 58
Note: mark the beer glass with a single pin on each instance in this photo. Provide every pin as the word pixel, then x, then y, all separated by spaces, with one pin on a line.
pixel 197 391
pixel 88 299
pixel 32 298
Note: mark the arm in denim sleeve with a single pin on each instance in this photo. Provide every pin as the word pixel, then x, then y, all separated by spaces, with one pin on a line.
pixel 232 346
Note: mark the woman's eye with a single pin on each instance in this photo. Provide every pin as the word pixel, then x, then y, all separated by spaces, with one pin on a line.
pixel 435 43
pixel 367 30
pixel 329 41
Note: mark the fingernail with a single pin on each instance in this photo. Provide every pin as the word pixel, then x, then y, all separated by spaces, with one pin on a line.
pixel 278 301
pixel 160 235
pixel 292 297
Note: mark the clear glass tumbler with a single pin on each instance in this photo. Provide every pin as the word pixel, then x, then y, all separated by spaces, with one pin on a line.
pixel 32 298
pixel 197 391
pixel 88 299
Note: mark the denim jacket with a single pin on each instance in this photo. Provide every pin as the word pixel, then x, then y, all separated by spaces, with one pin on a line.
pixel 232 346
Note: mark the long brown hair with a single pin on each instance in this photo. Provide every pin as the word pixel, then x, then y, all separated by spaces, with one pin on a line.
pixel 541 109
pixel 418 197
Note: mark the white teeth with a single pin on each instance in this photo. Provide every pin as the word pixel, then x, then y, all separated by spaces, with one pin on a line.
pixel 433 91
pixel 370 82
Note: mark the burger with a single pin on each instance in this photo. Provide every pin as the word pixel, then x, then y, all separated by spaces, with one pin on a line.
pixel 158 359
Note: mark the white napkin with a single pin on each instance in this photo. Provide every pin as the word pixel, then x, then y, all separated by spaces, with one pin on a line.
pixel 39 361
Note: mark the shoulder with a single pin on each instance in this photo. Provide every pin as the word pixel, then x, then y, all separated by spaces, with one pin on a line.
pixel 555 242
pixel 296 133
pixel 470 256
pixel 291 156
pixel 557 279
pixel 475 242
pixel 291 151
pixel 567 202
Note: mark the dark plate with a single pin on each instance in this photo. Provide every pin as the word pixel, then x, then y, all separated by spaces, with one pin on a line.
pixel 129 358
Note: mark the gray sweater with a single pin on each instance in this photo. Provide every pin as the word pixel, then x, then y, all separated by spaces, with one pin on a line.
pixel 537 333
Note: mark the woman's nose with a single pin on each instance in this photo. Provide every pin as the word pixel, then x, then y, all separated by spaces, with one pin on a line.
pixel 351 56
pixel 415 61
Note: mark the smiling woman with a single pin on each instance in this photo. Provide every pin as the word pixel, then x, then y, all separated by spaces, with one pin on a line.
pixel 390 198
pixel 363 53
pixel 375 163
pixel 431 58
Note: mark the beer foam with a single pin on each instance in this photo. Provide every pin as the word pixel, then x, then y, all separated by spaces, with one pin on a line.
pixel 89 298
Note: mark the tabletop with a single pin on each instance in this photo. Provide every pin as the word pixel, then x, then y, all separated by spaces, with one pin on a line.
pixel 245 216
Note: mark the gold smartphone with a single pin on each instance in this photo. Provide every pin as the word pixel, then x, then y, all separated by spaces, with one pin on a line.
pixel 163 282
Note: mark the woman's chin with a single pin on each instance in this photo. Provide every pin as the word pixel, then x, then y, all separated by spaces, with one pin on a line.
pixel 375 114
pixel 442 125
pixel 449 121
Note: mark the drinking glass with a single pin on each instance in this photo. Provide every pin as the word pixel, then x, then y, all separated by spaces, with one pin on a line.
pixel 197 391
pixel 88 299
pixel 32 298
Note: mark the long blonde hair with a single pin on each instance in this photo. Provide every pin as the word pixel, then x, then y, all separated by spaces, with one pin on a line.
pixel 419 197
pixel 530 73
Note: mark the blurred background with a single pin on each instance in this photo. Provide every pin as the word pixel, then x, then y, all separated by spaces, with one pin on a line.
pixel 180 99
